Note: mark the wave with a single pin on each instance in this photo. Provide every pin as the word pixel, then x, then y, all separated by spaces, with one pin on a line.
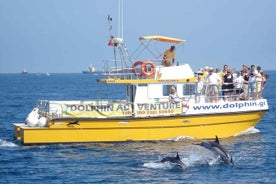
pixel 249 131
pixel 4 143
pixel 181 138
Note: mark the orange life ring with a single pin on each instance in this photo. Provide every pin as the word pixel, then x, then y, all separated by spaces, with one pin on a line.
pixel 134 66
pixel 145 72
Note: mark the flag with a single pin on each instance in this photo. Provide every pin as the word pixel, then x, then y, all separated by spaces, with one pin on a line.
pixel 111 41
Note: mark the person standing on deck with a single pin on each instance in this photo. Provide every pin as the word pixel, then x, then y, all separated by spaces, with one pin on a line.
pixel 245 75
pixel 212 80
pixel 198 89
pixel 252 82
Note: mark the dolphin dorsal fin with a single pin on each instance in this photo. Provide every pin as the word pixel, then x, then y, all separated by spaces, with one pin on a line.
pixel 217 140
pixel 177 156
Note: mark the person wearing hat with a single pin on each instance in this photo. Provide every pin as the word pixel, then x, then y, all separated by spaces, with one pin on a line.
pixel 168 58
pixel 205 72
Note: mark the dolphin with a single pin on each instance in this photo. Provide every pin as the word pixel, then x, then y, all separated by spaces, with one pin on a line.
pixel 215 146
pixel 175 159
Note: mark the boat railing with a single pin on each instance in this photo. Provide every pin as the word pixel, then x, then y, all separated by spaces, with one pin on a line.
pixel 127 72
pixel 231 92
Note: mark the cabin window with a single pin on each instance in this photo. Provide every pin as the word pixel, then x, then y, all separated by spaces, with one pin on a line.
pixel 188 88
pixel 166 89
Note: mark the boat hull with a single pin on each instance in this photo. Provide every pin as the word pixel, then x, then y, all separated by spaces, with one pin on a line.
pixel 138 129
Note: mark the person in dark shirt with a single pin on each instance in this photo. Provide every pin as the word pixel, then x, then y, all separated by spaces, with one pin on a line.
pixel 227 86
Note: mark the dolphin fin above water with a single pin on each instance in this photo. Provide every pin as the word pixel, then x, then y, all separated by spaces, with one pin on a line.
pixel 215 146
pixel 175 159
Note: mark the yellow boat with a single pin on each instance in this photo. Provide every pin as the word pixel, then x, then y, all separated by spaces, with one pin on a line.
pixel 146 114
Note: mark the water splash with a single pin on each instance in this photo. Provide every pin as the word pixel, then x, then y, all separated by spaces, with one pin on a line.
pixel 249 131
pixel 181 138
pixel 4 143
pixel 193 155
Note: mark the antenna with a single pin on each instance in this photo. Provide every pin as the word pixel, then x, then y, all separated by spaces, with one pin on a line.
pixel 120 18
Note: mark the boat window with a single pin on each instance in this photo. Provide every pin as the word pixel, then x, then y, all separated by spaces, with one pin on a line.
pixel 166 89
pixel 188 88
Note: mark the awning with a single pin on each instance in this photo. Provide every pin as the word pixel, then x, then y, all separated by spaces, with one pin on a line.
pixel 162 39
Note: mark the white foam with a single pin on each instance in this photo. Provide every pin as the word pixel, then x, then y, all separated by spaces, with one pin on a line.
pixel 156 165
pixel 181 138
pixel 194 155
pixel 197 155
pixel 249 131
pixel 4 143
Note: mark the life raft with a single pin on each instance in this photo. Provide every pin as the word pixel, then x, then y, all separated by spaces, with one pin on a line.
pixel 147 68
pixel 135 66
pixel 146 71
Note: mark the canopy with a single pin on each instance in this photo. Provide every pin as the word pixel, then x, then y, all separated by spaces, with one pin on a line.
pixel 162 39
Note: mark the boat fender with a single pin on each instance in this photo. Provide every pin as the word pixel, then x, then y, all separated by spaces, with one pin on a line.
pixel 42 122
pixel 135 66
pixel 32 119
pixel 148 72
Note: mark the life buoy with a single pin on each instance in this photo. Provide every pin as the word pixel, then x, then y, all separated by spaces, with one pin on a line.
pixel 134 67
pixel 145 71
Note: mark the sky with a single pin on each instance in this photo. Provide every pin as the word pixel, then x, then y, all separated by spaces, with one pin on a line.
pixel 66 36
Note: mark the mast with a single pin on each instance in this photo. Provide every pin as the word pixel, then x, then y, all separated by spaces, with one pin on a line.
pixel 120 18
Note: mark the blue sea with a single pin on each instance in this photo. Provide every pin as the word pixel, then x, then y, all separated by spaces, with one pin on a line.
pixel 254 153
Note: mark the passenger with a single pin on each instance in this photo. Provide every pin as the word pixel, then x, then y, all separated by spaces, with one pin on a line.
pixel 244 69
pixel 220 74
pixel 173 96
pixel 245 75
pixel 252 82
pixel 232 71
pixel 168 58
pixel 205 72
pixel 225 69
pixel 264 79
pixel 199 72
pixel 212 80
pixel 198 89
pixel 227 86
pixel 258 82
pixel 238 84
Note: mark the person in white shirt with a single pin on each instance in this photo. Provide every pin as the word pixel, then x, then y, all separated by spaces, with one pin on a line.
pixel 212 80
pixel 173 96
pixel 238 84
pixel 252 82
pixel 198 89
pixel 259 79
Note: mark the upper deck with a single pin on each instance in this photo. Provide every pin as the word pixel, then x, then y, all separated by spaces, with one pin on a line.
pixel 161 74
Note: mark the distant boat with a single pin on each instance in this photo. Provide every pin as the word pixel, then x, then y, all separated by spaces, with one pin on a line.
pixel 90 70
pixel 24 71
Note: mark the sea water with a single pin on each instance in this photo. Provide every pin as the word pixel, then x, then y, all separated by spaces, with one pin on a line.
pixel 254 153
